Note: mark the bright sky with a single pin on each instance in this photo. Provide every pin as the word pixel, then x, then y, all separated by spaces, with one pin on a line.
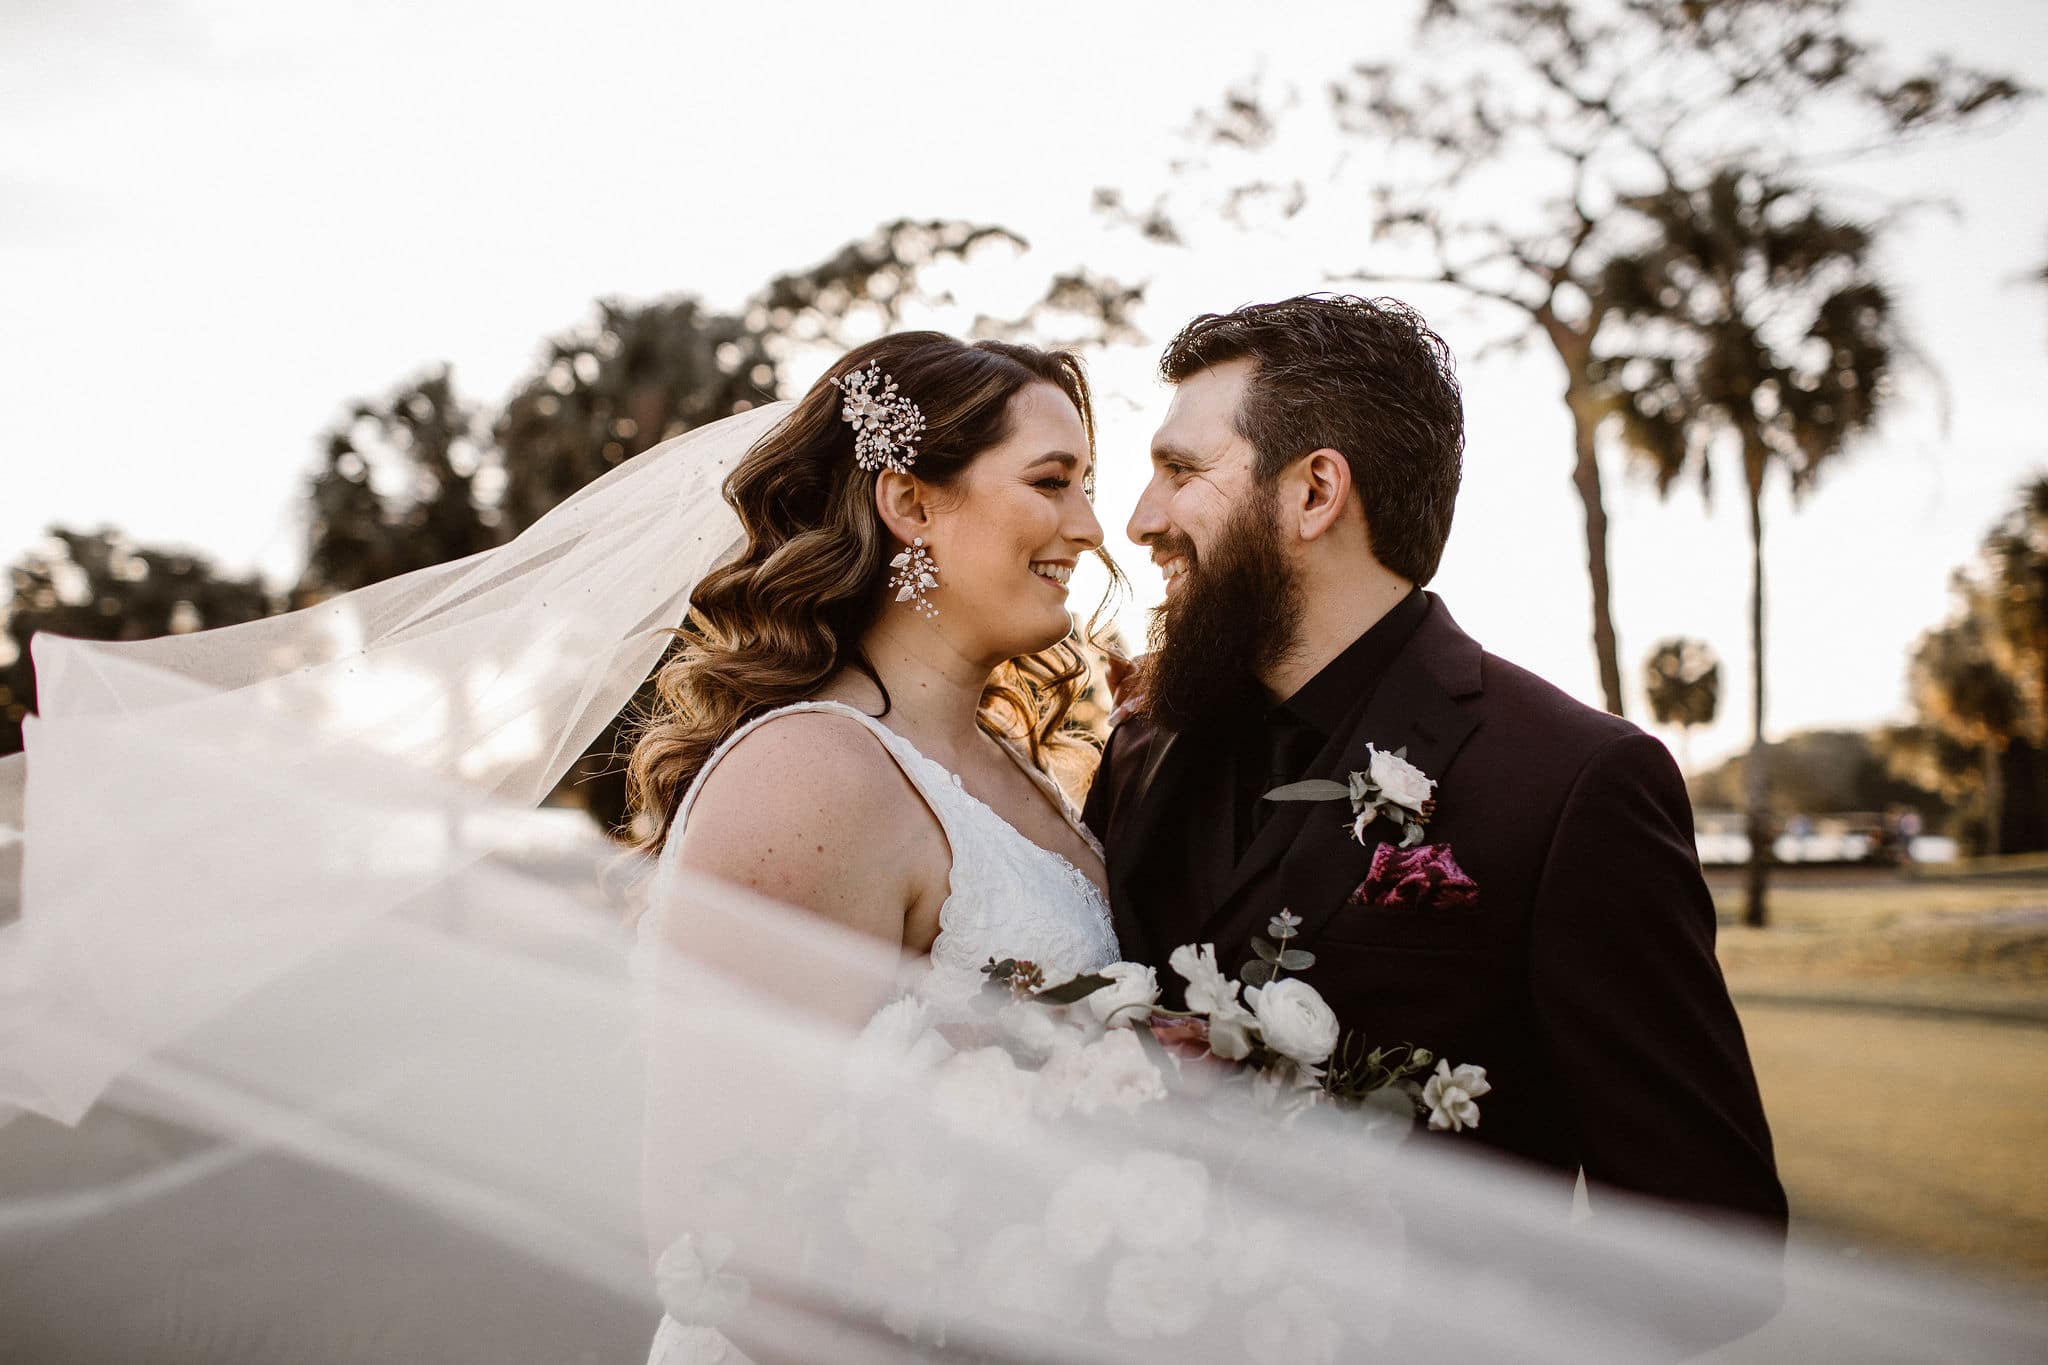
pixel 221 219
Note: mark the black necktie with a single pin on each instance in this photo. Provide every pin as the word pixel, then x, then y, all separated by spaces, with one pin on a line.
pixel 1290 747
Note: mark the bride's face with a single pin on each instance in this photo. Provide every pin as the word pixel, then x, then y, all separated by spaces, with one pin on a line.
pixel 1012 530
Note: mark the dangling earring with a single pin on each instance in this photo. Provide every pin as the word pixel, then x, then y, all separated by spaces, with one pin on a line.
pixel 915 575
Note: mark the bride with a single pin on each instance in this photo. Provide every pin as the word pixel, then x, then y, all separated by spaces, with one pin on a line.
pixel 862 719
pixel 864 715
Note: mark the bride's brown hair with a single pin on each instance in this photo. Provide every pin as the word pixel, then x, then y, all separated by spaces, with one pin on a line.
pixel 772 625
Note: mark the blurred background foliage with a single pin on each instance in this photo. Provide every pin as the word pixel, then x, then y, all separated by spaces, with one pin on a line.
pixel 423 474
pixel 1709 302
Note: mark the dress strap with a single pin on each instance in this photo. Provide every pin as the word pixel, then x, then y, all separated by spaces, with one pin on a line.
pixel 933 783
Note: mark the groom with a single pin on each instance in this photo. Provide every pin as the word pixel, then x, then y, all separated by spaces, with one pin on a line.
pixel 1555 928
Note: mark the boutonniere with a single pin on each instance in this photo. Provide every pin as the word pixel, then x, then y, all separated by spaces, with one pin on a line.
pixel 1390 787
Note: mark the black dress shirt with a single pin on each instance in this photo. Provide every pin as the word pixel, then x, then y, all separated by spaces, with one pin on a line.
pixel 1279 748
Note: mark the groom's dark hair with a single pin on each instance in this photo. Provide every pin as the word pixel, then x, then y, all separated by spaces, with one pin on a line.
pixel 1364 377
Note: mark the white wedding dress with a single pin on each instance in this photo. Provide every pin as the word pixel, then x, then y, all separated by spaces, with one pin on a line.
pixel 1006 897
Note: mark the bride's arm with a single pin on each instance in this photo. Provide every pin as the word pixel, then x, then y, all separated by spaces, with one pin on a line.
pixel 811 811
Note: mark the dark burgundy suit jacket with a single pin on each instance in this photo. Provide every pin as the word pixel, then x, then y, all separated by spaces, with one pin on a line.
pixel 1584 980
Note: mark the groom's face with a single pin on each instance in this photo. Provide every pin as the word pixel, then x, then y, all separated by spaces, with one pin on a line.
pixel 1233 600
pixel 1201 474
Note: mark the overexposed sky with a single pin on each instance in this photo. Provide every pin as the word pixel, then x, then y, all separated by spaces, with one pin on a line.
pixel 219 221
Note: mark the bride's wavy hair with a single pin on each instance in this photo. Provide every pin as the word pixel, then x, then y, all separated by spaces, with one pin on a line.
pixel 773 624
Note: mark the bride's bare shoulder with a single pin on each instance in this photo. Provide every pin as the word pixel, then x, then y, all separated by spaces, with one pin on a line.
pixel 811 808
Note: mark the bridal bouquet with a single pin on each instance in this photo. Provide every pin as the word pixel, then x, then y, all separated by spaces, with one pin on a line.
pixel 1275 1034
pixel 1022 1159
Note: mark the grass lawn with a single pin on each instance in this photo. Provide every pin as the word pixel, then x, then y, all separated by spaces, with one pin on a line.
pixel 1900 1033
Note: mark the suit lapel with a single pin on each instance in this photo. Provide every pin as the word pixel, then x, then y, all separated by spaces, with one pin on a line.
pixel 1422 704
pixel 1165 762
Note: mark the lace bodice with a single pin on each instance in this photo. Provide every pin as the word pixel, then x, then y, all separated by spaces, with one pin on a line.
pixel 1006 896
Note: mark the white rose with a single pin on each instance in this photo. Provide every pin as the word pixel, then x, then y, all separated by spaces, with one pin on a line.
pixel 1163 1201
pixel 1400 781
pixel 1294 1020
pixel 897 1045
pixel 984 1095
pixel 1290 1328
pixel 1451 1095
pixel 1081 1215
pixel 692 1286
pixel 1129 997
pixel 1113 1073
pixel 1209 990
pixel 1037 1031
pixel 1152 1296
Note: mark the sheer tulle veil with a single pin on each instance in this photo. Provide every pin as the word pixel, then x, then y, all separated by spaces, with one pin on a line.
pixel 360 1068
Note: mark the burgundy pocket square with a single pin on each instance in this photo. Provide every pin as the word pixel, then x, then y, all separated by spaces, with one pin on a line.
pixel 1423 877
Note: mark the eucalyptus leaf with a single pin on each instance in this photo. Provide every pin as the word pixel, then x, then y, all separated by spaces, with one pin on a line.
pixel 1265 950
pixel 1256 973
pixel 1067 992
pixel 1297 959
pixel 1315 789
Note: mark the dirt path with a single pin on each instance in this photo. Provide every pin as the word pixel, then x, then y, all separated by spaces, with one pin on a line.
pixel 1909 1132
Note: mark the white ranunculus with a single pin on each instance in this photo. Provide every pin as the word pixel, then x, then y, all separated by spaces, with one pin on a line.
pixel 1081 1215
pixel 1290 1328
pixel 899 1213
pixel 1294 1020
pixel 1209 990
pixel 1163 1201
pixel 1400 781
pixel 984 1094
pixel 1452 1095
pixel 1233 1030
pixel 1151 1296
pixel 898 1044
pixel 1114 1073
pixel 693 1286
pixel 1128 999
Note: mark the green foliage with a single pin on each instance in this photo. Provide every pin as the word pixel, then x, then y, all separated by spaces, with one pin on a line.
pixel 98 586
pixel 1824 772
pixel 1753 315
pixel 1979 685
pixel 1683 681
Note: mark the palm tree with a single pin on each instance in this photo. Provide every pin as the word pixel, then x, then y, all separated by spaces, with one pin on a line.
pixel 1759 326
pixel 1501 146
pixel 1682 680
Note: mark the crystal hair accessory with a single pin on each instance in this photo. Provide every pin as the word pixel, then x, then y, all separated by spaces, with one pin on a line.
pixel 886 425
pixel 914 578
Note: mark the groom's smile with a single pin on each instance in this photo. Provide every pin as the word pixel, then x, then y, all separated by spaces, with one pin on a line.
pixel 1173 567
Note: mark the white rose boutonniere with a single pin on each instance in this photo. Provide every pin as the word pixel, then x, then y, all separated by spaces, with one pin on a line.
pixel 1390 787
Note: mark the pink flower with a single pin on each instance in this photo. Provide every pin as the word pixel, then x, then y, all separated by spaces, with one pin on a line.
pixel 1184 1038
pixel 1414 878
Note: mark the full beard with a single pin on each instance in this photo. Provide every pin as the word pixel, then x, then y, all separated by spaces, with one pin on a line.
pixel 1236 614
